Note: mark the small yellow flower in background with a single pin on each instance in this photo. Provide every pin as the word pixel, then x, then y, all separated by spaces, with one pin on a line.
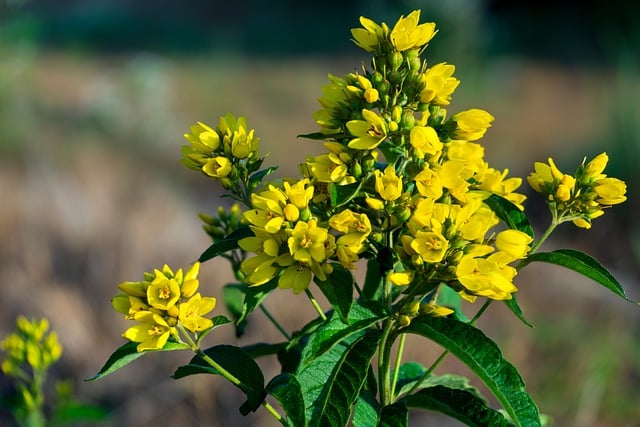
pixel 388 184
pixel 369 132
pixel 471 125
pixel 31 344
pixel 407 34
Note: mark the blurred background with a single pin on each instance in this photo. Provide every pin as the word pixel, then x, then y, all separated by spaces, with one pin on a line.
pixel 96 95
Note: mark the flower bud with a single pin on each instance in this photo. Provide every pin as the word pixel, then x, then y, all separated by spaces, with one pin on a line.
pixel 395 60
pixel 396 113
pixel 408 120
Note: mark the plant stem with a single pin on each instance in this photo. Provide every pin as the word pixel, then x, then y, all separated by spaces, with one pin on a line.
pixel 315 304
pixel 275 322
pixel 396 368
pixel 545 235
pixel 384 353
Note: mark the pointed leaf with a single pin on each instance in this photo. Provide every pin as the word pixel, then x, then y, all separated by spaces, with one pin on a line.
pixel 321 136
pixel 261 349
pixel 227 244
pixel 484 358
pixel 127 353
pixel 361 318
pixel 580 263
pixel 372 288
pixel 257 177
pixel 342 194
pixel 396 415
pixel 287 391
pixel 331 383
pixel 515 308
pixel 238 363
pixel 449 298
pixel 509 213
pixel 463 405
pixel 242 299
pixel 338 288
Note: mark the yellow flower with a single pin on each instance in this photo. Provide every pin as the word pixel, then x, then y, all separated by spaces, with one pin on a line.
pixel 299 194
pixel 425 139
pixel 368 38
pixel 217 167
pixel 243 144
pixel 400 278
pixel 545 176
pixel 435 310
pixel 428 183
pixel 369 132
pixel 203 138
pixel 163 292
pixel 407 34
pixel 193 310
pixel 596 166
pixel 430 245
pixel 190 282
pixel 296 277
pixel 307 242
pixel 485 277
pixel 388 184
pixel 474 220
pixel 439 84
pixel 514 242
pixel 471 124
pixel 152 333
pixel 610 191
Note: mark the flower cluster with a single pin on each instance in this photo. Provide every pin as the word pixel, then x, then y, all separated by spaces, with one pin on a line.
pixel 228 153
pixel 30 344
pixel 164 304
pixel 581 197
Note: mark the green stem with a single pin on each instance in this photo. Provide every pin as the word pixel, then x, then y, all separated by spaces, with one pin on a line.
pixel 384 353
pixel 275 322
pixel 315 304
pixel 545 235
pixel 396 368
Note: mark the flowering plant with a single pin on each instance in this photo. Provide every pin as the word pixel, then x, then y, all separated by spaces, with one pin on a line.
pixel 402 191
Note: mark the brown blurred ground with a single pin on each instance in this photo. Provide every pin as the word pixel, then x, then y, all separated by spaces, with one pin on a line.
pixel 93 193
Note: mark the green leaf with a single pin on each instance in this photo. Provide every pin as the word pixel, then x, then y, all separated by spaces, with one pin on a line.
pixel 366 409
pixel 332 382
pixel 261 349
pixel 396 415
pixel 342 194
pixel 515 308
pixel 257 177
pixel 372 289
pixel 463 405
pixel 408 375
pixel 361 317
pixel 338 288
pixel 509 213
pixel 448 297
pixel 484 358
pixel 580 263
pixel 287 391
pixel 73 413
pixel 227 244
pixel 127 353
pixel 241 299
pixel 321 136
pixel 236 362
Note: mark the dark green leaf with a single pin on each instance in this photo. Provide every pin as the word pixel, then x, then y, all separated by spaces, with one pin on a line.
pixel 372 289
pixel 361 318
pixel 342 194
pixel 338 288
pixel 227 244
pixel 580 263
pixel 321 136
pixel 287 391
pixel 262 349
pixel 515 308
pixel 484 358
pixel 366 409
pixel 409 374
pixel 238 363
pixel 259 176
pixel 332 382
pixel 242 299
pixel 396 415
pixel 510 214
pixel 463 405
pixel 127 353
